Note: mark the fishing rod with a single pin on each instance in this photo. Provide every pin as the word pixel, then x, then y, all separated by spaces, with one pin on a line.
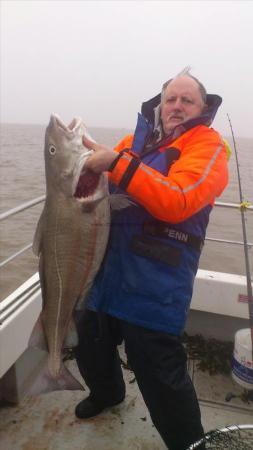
pixel 243 207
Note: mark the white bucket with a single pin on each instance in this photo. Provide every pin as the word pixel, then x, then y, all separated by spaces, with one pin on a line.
pixel 242 364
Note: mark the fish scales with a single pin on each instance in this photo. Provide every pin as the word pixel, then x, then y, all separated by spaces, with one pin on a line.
pixel 70 240
pixel 73 264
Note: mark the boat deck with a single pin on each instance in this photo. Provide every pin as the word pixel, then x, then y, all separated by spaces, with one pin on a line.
pixel 47 422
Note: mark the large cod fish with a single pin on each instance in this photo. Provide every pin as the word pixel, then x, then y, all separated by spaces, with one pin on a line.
pixel 70 240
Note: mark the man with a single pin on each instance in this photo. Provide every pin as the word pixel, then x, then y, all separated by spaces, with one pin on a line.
pixel 173 168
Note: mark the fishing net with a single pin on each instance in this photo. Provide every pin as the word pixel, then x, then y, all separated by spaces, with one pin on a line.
pixel 234 437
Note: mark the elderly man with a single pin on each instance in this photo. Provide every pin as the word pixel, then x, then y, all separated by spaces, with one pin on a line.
pixel 172 168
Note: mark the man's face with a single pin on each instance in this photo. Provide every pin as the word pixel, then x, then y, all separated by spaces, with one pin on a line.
pixel 181 101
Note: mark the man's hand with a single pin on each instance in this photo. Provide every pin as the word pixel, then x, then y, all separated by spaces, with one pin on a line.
pixel 102 157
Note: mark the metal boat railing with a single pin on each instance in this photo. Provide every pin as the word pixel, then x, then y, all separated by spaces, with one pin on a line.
pixel 29 204
pixel 21 309
pixel 12 212
pixel 22 207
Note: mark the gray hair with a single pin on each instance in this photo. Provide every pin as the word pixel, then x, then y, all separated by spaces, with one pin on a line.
pixel 186 72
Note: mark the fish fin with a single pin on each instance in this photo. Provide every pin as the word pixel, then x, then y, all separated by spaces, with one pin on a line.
pixel 44 382
pixel 42 278
pixel 120 201
pixel 37 240
pixel 37 338
pixel 80 304
pixel 81 301
pixel 71 339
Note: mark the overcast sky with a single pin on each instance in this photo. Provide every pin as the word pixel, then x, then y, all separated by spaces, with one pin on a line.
pixel 100 60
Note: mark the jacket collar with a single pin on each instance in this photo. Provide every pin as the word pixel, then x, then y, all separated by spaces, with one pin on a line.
pixel 149 133
pixel 151 111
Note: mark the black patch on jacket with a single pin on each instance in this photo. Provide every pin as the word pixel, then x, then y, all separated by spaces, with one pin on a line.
pixel 172 154
pixel 156 250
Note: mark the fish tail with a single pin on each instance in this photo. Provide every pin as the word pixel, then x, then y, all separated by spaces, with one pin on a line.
pixel 67 381
pixel 47 382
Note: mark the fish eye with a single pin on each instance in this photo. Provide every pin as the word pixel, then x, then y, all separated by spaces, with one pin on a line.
pixel 52 149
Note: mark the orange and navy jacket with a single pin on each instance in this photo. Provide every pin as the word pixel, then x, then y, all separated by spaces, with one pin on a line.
pixel 155 244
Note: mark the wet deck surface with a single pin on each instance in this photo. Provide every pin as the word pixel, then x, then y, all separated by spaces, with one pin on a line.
pixel 47 422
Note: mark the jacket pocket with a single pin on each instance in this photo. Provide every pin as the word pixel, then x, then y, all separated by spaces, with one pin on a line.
pixel 156 250
pixel 151 269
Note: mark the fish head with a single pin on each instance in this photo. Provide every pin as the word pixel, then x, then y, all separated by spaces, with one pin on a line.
pixel 65 157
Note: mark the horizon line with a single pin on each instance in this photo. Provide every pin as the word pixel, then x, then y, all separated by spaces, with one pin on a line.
pixel 105 127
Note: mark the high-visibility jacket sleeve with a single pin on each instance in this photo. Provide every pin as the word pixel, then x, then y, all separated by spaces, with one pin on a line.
pixel 125 143
pixel 194 180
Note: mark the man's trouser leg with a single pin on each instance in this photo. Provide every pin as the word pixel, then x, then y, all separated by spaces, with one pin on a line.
pixel 159 363
pixel 97 356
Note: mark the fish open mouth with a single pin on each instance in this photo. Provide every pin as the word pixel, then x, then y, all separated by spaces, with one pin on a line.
pixel 87 184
